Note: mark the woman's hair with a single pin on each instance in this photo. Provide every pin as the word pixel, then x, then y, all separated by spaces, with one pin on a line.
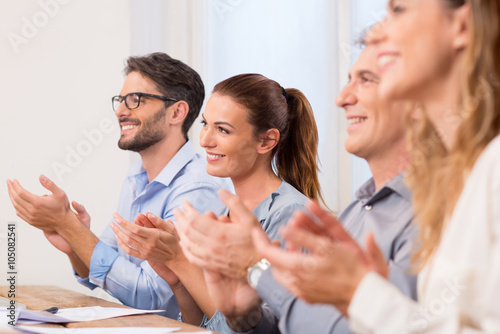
pixel 437 176
pixel 270 106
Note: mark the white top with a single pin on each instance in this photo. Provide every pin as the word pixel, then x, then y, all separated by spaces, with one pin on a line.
pixel 459 290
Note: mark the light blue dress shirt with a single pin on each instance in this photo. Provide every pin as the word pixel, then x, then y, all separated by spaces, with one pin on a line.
pixel 272 213
pixel 388 214
pixel 132 280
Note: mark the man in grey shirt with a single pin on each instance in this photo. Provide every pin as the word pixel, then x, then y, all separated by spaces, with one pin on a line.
pixel 383 206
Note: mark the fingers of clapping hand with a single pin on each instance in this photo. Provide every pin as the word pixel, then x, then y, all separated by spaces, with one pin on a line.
pixel 332 224
pixel 143 221
pixel 278 257
pixel 182 222
pixel 239 212
pixel 304 220
pixel 193 227
pixel 124 244
pixel 159 223
pixel 185 232
pixel 140 239
pixel 124 233
pixel 375 256
pixel 210 214
pixel 135 230
pixel 81 213
pixel 51 186
pixel 18 196
pixel 305 239
pixel 224 219
pixel 185 217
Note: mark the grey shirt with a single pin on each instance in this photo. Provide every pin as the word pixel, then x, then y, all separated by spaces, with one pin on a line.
pixel 388 214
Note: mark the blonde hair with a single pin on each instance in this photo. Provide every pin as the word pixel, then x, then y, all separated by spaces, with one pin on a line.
pixel 437 176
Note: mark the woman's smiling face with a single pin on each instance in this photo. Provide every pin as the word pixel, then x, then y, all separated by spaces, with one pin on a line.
pixel 415 47
pixel 228 138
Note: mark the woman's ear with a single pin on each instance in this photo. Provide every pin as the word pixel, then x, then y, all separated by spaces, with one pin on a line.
pixel 179 112
pixel 268 141
pixel 461 27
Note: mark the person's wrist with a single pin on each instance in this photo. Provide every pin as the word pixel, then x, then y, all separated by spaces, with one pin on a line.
pixel 69 226
pixel 350 290
pixel 177 286
pixel 176 261
pixel 255 272
pixel 251 258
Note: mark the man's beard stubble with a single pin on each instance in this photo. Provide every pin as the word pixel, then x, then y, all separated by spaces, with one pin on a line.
pixel 149 133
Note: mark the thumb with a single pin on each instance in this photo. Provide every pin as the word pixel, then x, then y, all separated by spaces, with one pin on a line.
pixel 260 239
pixel 82 213
pixel 79 208
pixel 160 223
pixel 51 186
pixel 376 257
pixel 238 211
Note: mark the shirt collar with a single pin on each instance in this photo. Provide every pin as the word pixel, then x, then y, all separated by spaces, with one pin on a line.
pixel 267 204
pixel 262 209
pixel 367 191
pixel 180 159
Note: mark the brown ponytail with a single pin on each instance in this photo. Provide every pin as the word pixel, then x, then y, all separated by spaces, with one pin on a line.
pixel 271 107
pixel 297 154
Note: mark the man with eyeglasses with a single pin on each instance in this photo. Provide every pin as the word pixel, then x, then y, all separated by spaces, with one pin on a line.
pixel 160 99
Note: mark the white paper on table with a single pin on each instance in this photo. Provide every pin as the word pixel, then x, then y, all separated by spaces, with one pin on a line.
pixel 77 314
pixel 103 330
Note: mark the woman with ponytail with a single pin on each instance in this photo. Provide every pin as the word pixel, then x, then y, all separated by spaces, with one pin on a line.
pixel 264 138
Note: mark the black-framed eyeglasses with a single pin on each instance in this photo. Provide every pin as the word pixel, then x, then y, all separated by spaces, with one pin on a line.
pixel 133 100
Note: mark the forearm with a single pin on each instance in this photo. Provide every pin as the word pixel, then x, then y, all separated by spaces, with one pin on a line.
pixel 191 312
pixel 81 240
pixel 80 268
pixel 296 315
pixel 193 281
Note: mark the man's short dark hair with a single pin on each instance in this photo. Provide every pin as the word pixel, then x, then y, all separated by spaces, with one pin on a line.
pixel 173 79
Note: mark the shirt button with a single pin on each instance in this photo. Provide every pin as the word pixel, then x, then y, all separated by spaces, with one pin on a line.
pixel 368 207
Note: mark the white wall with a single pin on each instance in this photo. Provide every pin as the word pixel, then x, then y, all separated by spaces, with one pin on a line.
pixel 56 85
pixel 363 15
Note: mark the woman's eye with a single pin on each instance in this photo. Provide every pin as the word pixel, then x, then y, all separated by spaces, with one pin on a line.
pixel 396 7
pixel 203 123
pixel 368 80
pixel 223 130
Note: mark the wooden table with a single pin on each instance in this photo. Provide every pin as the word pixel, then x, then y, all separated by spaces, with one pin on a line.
pixel 38 297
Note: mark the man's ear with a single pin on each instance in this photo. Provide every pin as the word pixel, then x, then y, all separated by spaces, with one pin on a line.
pixel 179 112
pixel 461 27
pixel 268 141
